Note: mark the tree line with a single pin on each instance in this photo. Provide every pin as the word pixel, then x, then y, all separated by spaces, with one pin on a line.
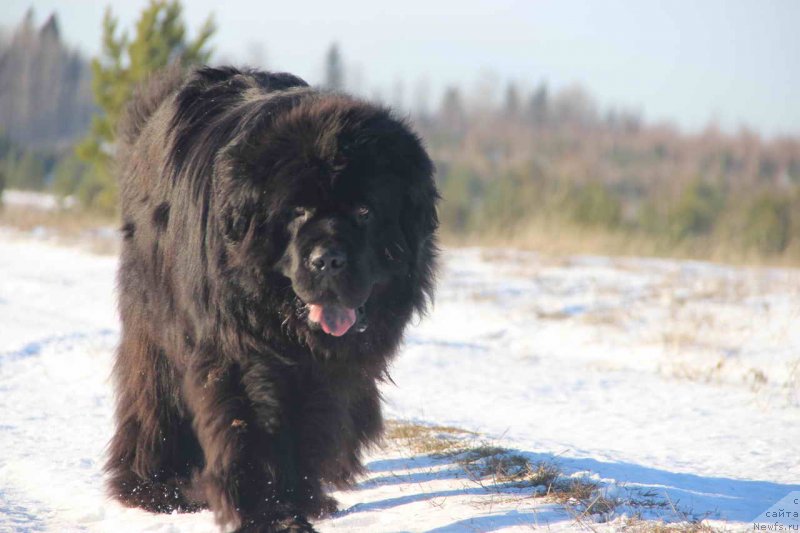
pixel 45 103
pixel 532 161
pixel 543 161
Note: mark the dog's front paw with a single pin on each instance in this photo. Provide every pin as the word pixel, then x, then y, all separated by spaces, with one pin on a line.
pixel 291 524
pixel 294 524
pixel 324 507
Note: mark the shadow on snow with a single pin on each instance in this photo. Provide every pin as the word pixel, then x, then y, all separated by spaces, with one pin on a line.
pixel 694 496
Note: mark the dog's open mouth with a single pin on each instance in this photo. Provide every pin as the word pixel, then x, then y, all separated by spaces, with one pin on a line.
pixel 336 319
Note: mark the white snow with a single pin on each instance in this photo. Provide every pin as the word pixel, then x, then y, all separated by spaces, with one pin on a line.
pixel 36 200
pixel 679 380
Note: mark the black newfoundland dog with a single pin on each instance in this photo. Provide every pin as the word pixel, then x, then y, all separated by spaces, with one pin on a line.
pixel 276 241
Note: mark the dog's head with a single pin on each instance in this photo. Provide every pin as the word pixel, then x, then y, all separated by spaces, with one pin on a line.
pixel 333 202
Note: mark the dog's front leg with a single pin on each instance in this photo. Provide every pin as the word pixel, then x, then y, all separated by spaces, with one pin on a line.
pixel 249 475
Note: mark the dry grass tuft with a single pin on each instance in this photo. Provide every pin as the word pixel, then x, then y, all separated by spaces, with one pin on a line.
pixel 504 466
pixel 431 440
pixel 638 525
pixel 577 491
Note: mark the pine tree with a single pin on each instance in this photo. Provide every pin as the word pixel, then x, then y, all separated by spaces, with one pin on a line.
pixel 452 113
pixel 539 106
pixel 123 64
pixel 511 103
pixel 334 69
pixel 2 184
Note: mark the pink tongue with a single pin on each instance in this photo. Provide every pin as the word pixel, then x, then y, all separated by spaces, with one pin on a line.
pixel 334 319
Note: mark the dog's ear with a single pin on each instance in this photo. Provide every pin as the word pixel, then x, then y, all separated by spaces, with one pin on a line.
pixel 245 224
pixel 243 214
pixel 398 151
pixel 237 218
pixel 243 165
pixel 418 222
pixel 419 219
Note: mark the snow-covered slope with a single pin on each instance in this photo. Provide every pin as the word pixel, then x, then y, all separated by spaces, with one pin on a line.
pixel 672 385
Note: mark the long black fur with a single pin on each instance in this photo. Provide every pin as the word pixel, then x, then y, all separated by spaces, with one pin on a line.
pixel 227 397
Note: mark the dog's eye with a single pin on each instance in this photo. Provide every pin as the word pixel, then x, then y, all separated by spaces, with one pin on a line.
pixel 363 213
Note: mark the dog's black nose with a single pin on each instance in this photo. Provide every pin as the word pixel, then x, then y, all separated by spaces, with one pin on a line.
pixel 327 259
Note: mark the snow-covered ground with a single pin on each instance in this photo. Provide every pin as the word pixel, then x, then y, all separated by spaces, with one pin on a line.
pixel 673 385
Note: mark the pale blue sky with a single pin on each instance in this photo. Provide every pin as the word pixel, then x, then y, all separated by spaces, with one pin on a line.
pixel 735 61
